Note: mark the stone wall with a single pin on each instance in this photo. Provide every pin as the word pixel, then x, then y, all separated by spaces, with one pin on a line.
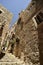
pixel 5 19
pixel 28 36
pixel 28 32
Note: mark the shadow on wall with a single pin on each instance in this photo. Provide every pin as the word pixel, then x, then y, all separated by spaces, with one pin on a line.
pixel 40 33
pixel 2 55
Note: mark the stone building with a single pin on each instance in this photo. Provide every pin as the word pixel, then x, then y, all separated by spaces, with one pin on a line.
pixel 29 31
pixel 5 19
pixel 10 39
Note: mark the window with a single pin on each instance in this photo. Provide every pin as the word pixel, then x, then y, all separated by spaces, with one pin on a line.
pixel 1 30
pixel 39 18
pixel 17 41
pixel 33 3
pixel 19 21
pixel 0 11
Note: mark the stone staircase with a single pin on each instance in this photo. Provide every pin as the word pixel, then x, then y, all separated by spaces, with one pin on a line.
pixel 10 59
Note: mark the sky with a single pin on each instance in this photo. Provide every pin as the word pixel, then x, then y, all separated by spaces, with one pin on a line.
pixel 15 6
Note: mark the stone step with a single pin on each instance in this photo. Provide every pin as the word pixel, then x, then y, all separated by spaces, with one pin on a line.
pixel 10 59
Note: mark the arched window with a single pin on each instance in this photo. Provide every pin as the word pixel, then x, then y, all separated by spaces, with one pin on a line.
pixel 39 18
